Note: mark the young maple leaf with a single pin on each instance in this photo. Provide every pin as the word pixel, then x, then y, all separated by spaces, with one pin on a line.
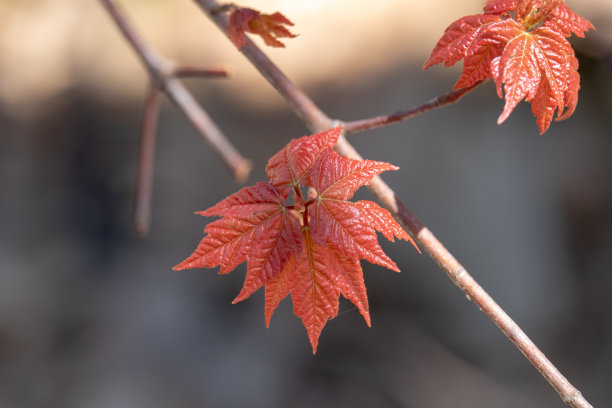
pixel 522 45
pixel 310 250
pixel 269 26
pixel 257 228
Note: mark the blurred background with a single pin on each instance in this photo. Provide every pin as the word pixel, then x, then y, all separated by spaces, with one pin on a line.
pixel 93 316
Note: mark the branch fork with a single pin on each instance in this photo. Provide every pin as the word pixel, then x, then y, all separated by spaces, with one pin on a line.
pixel 165 77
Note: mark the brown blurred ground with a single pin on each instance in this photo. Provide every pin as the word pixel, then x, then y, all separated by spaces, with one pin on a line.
pixel 91 316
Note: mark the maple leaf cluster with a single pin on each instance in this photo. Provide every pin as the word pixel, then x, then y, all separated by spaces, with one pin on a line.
pixel 310 249
pixel 522 45
pixel 270 27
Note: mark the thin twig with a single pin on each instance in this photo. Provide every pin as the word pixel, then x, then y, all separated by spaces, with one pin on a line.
pixel 186 71
pixel 317 121
pixel 144 185
pixel 162 72
pixel 399 116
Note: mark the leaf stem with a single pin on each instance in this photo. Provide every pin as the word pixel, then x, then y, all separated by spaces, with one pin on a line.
pixel 317 121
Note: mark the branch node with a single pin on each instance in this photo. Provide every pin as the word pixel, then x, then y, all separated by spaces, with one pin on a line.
pixel 459 273
pixel 569 401
pixel 222 8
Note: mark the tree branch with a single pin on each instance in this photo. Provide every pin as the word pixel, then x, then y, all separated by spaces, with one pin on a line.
pixel 317 121
pixel 400 116
pixel 165 75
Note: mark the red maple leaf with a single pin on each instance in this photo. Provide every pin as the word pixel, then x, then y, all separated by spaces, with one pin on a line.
pixel 310 249
pixel 269 26
pixel 522 45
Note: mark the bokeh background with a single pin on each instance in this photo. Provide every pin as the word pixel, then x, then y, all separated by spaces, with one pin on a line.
pixel 93 316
